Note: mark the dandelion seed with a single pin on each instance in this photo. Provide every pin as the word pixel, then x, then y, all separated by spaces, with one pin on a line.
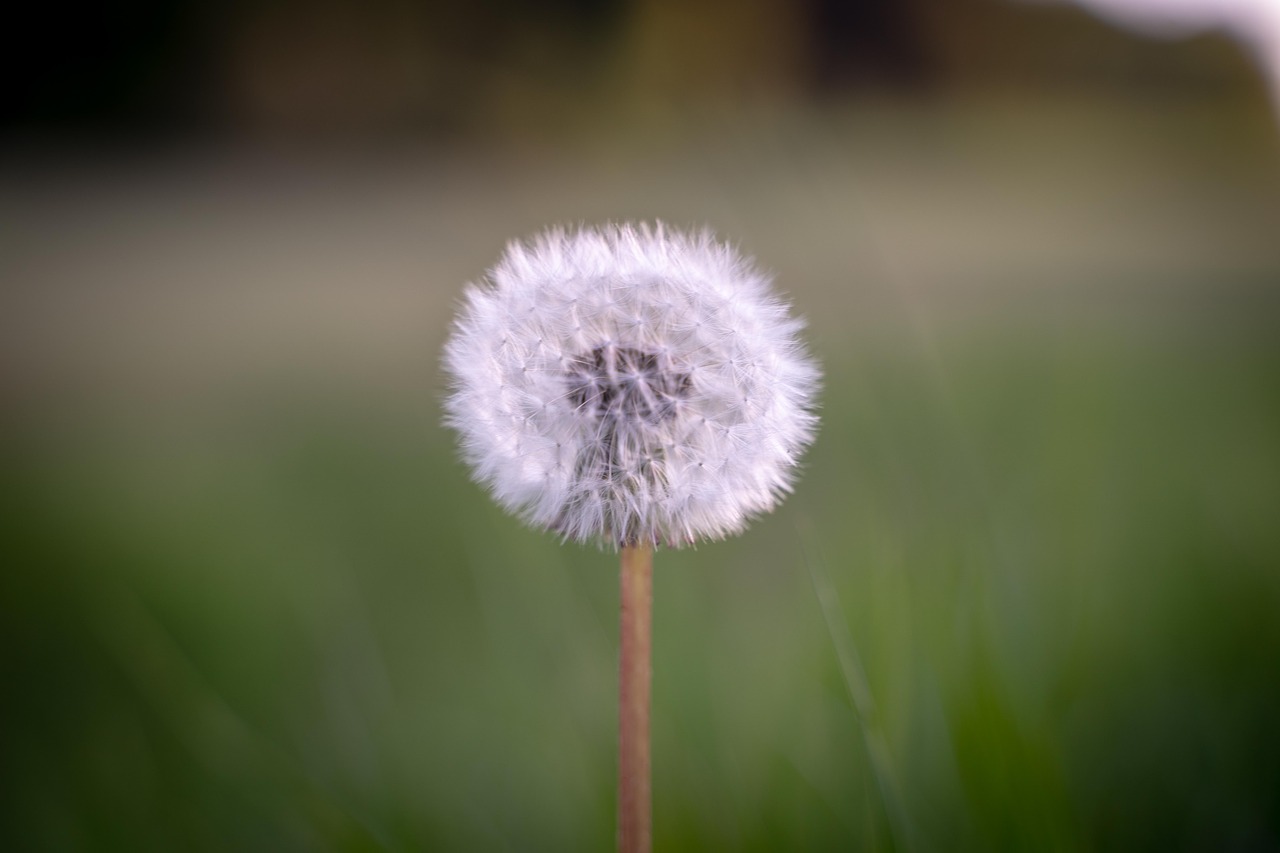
pixel 640 353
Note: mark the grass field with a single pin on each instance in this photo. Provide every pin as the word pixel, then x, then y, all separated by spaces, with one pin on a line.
pixel 252 601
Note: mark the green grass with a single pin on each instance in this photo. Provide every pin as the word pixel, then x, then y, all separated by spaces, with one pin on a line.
pixel 296 625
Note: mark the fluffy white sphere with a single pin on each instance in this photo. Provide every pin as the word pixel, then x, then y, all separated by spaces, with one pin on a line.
pixel 630 384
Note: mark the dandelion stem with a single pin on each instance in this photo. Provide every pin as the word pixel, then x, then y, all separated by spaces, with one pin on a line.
pixel 635 672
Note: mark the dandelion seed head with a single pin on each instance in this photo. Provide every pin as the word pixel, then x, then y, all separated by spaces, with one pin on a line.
pixel 629 384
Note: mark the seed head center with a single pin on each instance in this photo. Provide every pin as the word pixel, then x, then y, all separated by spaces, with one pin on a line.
pixel 625 383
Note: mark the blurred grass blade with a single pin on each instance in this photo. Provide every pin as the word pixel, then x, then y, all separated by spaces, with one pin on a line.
pixel 855 680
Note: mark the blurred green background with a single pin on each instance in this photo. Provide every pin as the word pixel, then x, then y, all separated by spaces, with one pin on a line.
pixel 250 600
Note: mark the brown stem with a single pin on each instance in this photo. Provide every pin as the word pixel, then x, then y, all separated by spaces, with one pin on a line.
pixel 635 671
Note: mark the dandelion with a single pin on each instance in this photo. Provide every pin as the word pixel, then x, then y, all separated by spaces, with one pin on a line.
pixel 632 386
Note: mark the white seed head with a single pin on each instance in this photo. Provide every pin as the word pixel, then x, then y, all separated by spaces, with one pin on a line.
pixel 630 384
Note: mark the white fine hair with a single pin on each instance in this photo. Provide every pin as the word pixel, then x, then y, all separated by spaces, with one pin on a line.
pixel 630 384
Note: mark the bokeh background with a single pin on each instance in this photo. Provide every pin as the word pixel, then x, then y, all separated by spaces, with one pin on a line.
pixel 1027 593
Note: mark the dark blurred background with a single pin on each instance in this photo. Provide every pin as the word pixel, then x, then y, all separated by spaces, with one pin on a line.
pixel 250 601
pixel 503 72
